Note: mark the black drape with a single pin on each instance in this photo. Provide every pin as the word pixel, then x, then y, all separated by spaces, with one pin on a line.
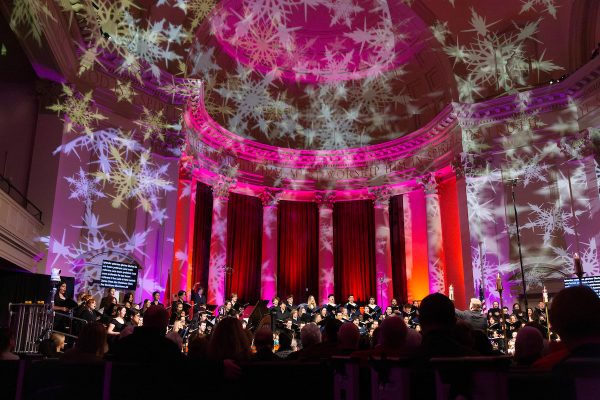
pixel 244 238
pixel 398 249
pixel 298 250
pixel 354 249
pixel 202 229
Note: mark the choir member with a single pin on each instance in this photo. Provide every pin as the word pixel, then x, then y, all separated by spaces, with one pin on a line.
pixel 351 306
pixel 372 310
pixel 282 312
pixel 311 305
pixel 156 299
pixel 106 301
pixel 395 306
pixel 290 302
pixel 331 307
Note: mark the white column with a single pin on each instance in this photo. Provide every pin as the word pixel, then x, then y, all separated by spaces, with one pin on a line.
pixel 383 248
pixel 218 242
pixel 326 277
pixel 435 249
pixel 268 277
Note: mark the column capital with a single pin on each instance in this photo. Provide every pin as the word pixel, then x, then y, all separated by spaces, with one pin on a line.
pixel 381 196
pixel 222 185
pixel 270 197
pixel 429 183
pixel 186 168
pixel 325 199
pixel 458 165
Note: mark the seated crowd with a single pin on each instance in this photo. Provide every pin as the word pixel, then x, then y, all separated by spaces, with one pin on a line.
pixel 419 332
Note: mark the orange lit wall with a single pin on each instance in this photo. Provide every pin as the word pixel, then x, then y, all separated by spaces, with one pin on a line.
pixel 415 233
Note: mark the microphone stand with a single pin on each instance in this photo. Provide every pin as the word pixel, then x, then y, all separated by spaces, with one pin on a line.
pixel 513 183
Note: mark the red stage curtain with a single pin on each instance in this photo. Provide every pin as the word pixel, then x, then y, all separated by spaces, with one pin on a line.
pixel 398 253
pixel 354 250
pixel 202 230
pixel 244 236
pixel 298 245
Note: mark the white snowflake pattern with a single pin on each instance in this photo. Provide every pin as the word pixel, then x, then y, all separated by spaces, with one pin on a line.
pixel 83 188
pixel 550 220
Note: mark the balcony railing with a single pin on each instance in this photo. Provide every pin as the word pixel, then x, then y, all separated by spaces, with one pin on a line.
pixel 17 196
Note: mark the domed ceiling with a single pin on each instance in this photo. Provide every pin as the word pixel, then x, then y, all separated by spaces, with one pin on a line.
pixel 319 74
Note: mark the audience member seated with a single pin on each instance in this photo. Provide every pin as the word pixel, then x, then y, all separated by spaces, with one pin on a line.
pixel 7 344
pixel 90 347
pixel 263 343
pixel 528 346
pixel 392 341
pixel 577 326
pixel 147 343
pixel 285 345
pixel 53 347
pixel 348 338
pixel 198 347
pixel 327 347
pixel 228 341
pixel 438 321
pixel 310 336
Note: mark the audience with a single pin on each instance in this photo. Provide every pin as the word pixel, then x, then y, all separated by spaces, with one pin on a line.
pixel 7 344
pixel 90 346
pixel 263 343
pixel 229 341
pixel 528 346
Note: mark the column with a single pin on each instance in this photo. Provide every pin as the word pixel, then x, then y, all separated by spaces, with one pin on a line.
pixel 180 268
pixel 217 267
pixel 435 250
pixel 325 201
pixel 383 250
pixel 268 278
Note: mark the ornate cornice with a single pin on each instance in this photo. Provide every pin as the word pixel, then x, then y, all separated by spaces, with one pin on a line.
pixel 221 187
pixel 429 183
pixel 381 196
pixel 325 199
pixel 269 197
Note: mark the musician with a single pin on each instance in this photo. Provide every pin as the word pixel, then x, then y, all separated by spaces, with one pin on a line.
pixel 290 302
pixel 198 297
pixel 203 328
pixel 494 311
pixel 282 312
pixel 275 305
pixel 395 306
pixel 176 312
pixel 389 312
pixel 227 310
pixel 372 310
pixel 331 307
pixel 180 298
pixel 107 300
pixel 311 305
pixel 234 302
pixel 156 299
pixel 360 325
pixel 351 306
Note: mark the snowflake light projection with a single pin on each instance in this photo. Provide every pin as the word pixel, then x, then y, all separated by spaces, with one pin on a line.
pixel 83 188
pixel 79 114
pixel 153 125
pixel 550 220
pixel 496 60
pixel 549 6
pixel 29 14
pixel 139 179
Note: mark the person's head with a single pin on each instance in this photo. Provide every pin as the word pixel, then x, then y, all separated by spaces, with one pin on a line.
pixel 356 321
pixel 575 314
pixel 62 288
pixel 229 341
pixel 120 311
pixel 516 307
pixel 301 311
pixel 475 304
pixel 375 324
pixel 7 341
pixel 282 305
pixel 179 308
pixel 92 339
pixel 348 336
pixel 275 301
pixel 202 326
pixel 311 299
pixel 541 305
pixel 310 335
pixel 127 304
pixel 146 304
pixel 156 317
pixel 513 318
pixel 234 297
pixel 529 311
pixel 406 320
pixel 389 310
pixel 285 341
pixel 113 300
pixel 112 292
pixel 495 304
pixel 437 313
pixel 198 347
pixel 332 326
pixel 290 298
pixel 263 339
pixel 288 323
pixel 492 320
pixel 129 297
pixel 181 295
pixel 58 341
pixel 156 296
pixel 504 310
pixel 323 312
pixel 351 299
pixel 317 318
pixel 331 299
pixel 393 332
pixel 91 303
pixel 407 308
pixel 371 300
pixel 528 345
pixel 134 317
pixel 176 338
pixel 294 313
